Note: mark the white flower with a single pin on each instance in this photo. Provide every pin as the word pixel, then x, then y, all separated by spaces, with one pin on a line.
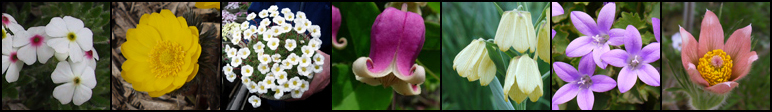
pixel 289 16
pixel 279 20
pixel 318 59
pixel 274 14
pixel 263 68
pixel 247 70
pixel 275 30
pixel 248 35
pixel 269 82
pixel 297 94
pixel 310 75
pixel 232 53
pixel 299 26
pixel 281 77
pixel 261 29
pixel 305 61
pixel 236 62
pixel 91 56
pixel 273 43
pixel 676 41
pixel 318 68
pixel 252 87
pixel 265 59
pixel 285 10
pixel 13 26
pixel 78 79
pixel 276 58
pixel 243 53
pixel 285 64
pixel 254 101
pixel 259 47
pixel 230 76
pixel 227 69
pixel 286 27
pixel 244 25
pixel 306 23
pixel 285 87
pixel 315 43
pixel 268 35
pixel 251 16
pixel 315 31
pixel 261 88
pixel 69 36
pixel 308 51
pixel 279 92
pixel 300 15
pixel 276 68
pixel 273 8
pixel 245 81
pixel 304 70
pixel 227 47
pixel 235 37
pixel 33 47
pixel 290 44
pixel 265 22
pixel 11 63
pixel 304 86
pixel 263 13
pixel 293 59
pixel 294 83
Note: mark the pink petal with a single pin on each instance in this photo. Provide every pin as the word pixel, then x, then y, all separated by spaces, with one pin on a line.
pixel 386 27
pixel 742 65
pixel 695 76
pixel 688 48
pixel 722 88
pixel 585 99
pixel 411 42
pixel 711 34
pixel 336 19
pixel 566 72
pixel 739 42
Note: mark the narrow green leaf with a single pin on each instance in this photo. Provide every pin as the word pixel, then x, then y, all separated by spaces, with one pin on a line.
pixel 435 6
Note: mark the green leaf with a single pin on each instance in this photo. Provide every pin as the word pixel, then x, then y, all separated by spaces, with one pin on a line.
pixel 501 63
pixel 354 95
pixel 560 41
pixel 498 96
pixel 630 19
pixel 675 89
pixel 358 18
pixel 435 6
pixel 433 38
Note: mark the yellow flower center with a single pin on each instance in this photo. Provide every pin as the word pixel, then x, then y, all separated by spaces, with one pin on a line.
pixel 262 87
pixel 293 59
pixel 286 28
pixel 305 23
pixel 299 28
pixel 252 86
pixel 318 59
pixel 3 33
pixel 276 31
pixel 278 91
pixel 233 76
pixel 303 85
pixel 246 81
pixel 264 68
pixel 281 76
pixel 289 44
pixel 248 71
pixel 273 43
pixel 254 100
pixel 316 67
pixel 314 31
pixel 294 82
pixel 303 68
pixel 167 59
pixel 286 85
pixel 715 67
pixel 303 61
pixel 71 36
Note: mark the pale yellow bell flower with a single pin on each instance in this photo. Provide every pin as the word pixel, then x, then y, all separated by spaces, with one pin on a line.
pixel 543 45
pixel 516 30
pixel 523 80
pixel 474 63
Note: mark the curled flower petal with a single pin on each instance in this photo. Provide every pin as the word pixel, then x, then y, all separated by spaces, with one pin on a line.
pixel 336 19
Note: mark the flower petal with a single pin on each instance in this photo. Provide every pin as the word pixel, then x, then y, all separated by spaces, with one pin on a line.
pixel 688 49
pixel 711 34
pixel 64 92
pixel 6 63
pixel 27 54
pixel 486 70
pixel 73 24
pixel 602 83
pixel 527 74
pixel 12 74
pixel 85 39
pixel 60 45
pixel 76 53
pixel 368 81
pixel 579 47
pixel 648 74
pixel 410 43
pixel 44 53
pixel 742 65
pixel 556 9
pixel 584 23
pixel 383 44
pixel 626 79
pixel 616 57
pixel 585 99
pixel 135 72
pixel 21 38
pixel 650 53
pixel 62 73
pixel 633 43
pixel 722 88
pixel 57 28
pixel 81 95
pixel 587 64
pixel 565 71
pixel 505 32
pixel 606 17
pixel 655 24
pixel 87 78
pixel 407 89
pixel 695 76
pixel 603 48
pixel 616 37
pixel 565 93
pixel 739 42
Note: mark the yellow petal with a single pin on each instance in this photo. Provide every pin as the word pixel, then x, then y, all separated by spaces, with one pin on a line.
pixel 505 33
pixel 524 34
pixel 487 69
pixel 509 80
pixel 516 94
pixel 135 72
pixel 534 96
pixel 193 75
pixel 527 74
pixel 543 45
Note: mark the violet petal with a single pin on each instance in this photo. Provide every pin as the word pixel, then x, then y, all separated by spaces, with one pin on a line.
pixel 606 17
pixel 616 57
pixel 565 71
pixel 602 83
pixel 565 93
pixel 584 23
pixel 633 42
pixel 579 47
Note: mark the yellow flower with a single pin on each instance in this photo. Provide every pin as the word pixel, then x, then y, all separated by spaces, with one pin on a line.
pixel 208 5
pixel 516 30
pixel 523 80
pixel 162 53
pixel 474 63
pixel 543 45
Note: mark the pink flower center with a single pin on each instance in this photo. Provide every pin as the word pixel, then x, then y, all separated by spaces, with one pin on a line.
pixel 414 86
pixel 90 54
pixel 5 20
pixel 36 40
pixel 14 58
pixel 716 61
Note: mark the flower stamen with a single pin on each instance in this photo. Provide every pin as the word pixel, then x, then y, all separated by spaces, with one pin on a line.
pixel 167 59
pixel 715 67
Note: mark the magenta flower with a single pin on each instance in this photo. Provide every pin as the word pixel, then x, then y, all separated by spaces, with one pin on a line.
pixel 396 40
pixel 581 83
pixel 635 61
pixel 655 24
pixel 597 36
pixel 335 26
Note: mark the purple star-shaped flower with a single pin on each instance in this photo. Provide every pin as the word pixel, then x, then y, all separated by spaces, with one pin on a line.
pixel 597 36
pixel 634 61
pixel 581 83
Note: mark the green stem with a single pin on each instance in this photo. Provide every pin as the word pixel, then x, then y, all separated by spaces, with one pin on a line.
pixel 501 12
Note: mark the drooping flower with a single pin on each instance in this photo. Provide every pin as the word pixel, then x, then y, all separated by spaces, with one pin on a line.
pixel 634 61
pixel 581 83
pixel 523 80
pixel 208 5
pixel 713 64
pixel 290 44
pixel 255 101
pixel 474 63
pixel 655 24
pixel 161 55
pixel 78 79
pixel 69 36
pixel 33 45
pixel 596 37
pixel 516 30
pixel 336 19
pixel 11 64
pixel 251 16
pixel 543 50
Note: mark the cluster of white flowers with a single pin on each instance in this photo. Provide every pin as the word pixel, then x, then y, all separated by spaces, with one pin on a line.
pixel 64 38
pixel 276 63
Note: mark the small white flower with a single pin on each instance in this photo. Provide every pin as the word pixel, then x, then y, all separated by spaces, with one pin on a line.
pixel 247 70
pixel 276 68
pixel 33 47
pixel 254 101
pixel 315 31
pixel 299 26
pixel 278 20
pixel 273 8
pixel 267 35
pixel 289 16
pixel 286 27
pixel 286 87
pixel 265 59
pixel 308 51
pixel 235 37
pixel 278 92
pixel 252 29
pixel 245 81
pixel 275 30
pixel 294 83
pixel 269 81
pixel 78 79
pixel 300 15
pixel 227 69
pixel 273 43
pixel 251 16
pixel 290 44
pixel 304 70
pixel 243 53
pixel 274 14
pixel 676 41
pixel 305 61
pixel 232 53
pixel 230 76
pixel 261 88
pixel 304 86
pixel 285 10
pixel 315 43
pixel 310 75
pixel 11 63
pixel 227 47
pixel 261 29
pixel 265 22
pixel 318 68
pixel 259 47
pixel 252 87
pixel 248 35
pixel 285 64
pixel 263 13
pixel 307 23
pixel 318 59
pixel 281 77
pixel 263 68
pixel 276 58
pixel 244 25
pixel 293 59
pixel 69 36
pixel 236 62
pixel 297 94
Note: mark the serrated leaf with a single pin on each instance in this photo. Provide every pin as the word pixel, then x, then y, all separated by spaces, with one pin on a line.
pixel 630 19
pixel 560 41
